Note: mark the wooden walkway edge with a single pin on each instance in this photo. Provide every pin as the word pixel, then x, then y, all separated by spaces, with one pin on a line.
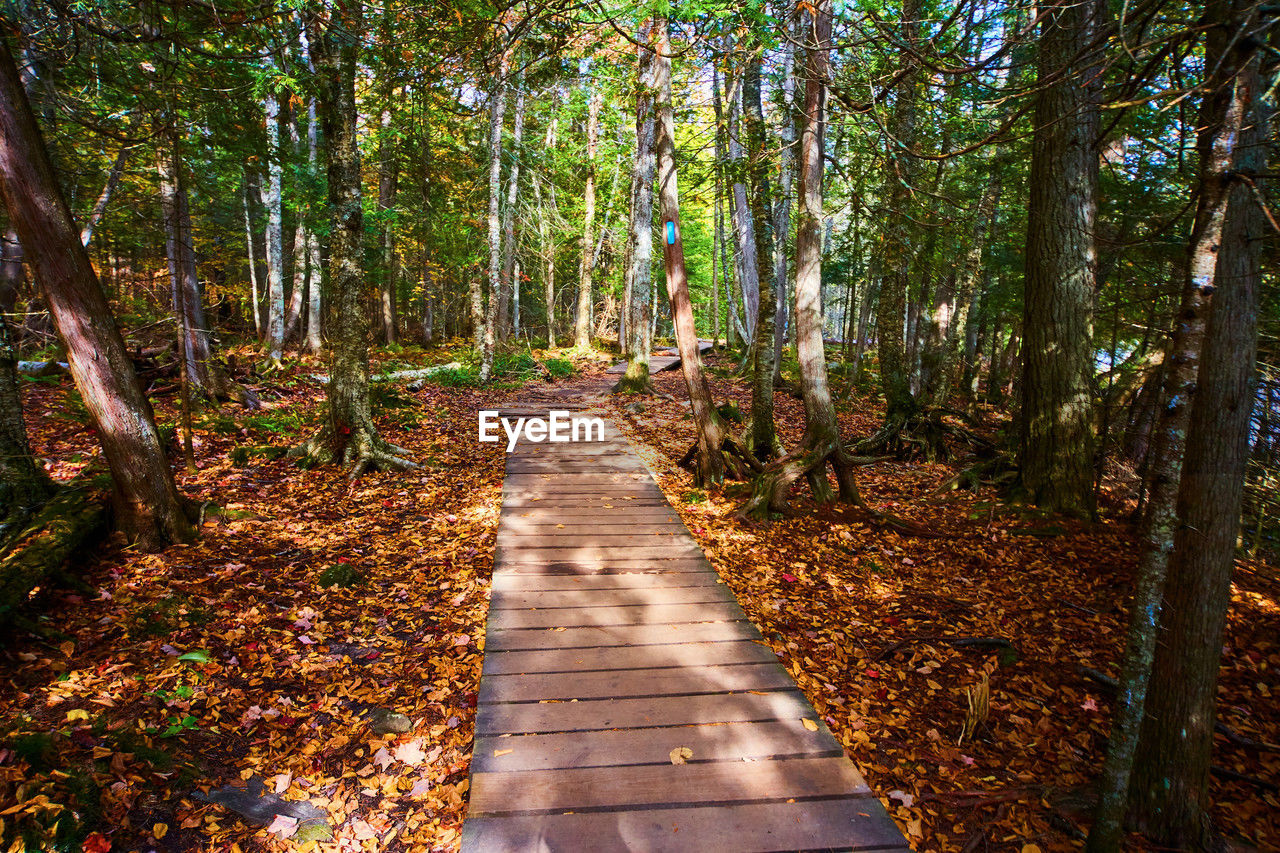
pixel 612 645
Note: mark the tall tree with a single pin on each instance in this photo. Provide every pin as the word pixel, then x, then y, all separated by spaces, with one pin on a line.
pixel 509 286
pixel 1169 792
pixel 709 460
pixel 821 442
pixel 148 507
pixel 349 436
pixel 586 270
pixel 1055 452
pixel 640 230
pixel 762 437
pixel 1223 116
pixel 275 225
pixel 485 330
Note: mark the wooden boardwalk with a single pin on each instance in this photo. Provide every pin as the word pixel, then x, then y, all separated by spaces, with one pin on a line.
pixel 611 645
pixel 669 359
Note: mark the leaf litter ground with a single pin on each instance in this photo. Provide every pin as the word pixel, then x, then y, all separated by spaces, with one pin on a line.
pixel 227 663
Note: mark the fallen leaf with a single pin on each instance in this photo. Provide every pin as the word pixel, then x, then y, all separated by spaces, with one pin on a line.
pixel 809 724
pixel 283 825
pixel 681 754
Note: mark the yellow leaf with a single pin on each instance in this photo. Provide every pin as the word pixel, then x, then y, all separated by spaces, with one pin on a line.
pixel 933 685
pixel 160 830
pixel 77 714
pixel 498 753
pixel 681 754
pixel 809 724
pixel 67 647
pixel 1030 848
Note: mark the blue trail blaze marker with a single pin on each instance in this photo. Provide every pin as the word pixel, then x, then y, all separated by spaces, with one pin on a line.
pixel 671 233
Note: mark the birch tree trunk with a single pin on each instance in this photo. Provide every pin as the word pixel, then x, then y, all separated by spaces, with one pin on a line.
pixel 388 180
pixel 709 458
pixel 582 326
pixel 745 258
pixel 255 297
pixel 147 505
pixel 315 274
pixel 497 108
pixel 275 234
pixel 104 198
pixel 509 285
pixel 782 205
pixel 640 230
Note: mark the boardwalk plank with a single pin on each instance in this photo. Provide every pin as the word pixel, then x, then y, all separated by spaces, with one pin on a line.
pixel 619 635
pixel 618 596
pixel 620 747
pixel 671 655
pixel 511 582
pixel 712 782
pixel 624 614
pixel 737 828
pixel 627 683
pixel 589 715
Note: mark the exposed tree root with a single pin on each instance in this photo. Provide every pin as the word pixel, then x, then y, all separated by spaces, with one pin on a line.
pixel 42 541
pixel 1000 472
pixel 361 451
pixel 809 460
pixel 923 434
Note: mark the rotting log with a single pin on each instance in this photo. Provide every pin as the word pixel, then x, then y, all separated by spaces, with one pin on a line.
pixel 69 522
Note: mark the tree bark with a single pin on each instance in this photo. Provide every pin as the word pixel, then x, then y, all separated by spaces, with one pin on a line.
pixel 821 442
pixel 710 462
pixel 582 326
pixel 895 257
pixel 1056 448
pixel 762 439
pixel 782 205
pixel 640 231
pixel 745 259
pixel 349 438
pixel 104 198
pixel 485 330
pixel 275 233
pixel 255 297
pixel 1169 789
pixel 388 181
pixel 509 284
pixel 148 508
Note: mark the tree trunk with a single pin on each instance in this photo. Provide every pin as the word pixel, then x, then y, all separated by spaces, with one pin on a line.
pixel 255 297
pixel 275 233
pixel 509 285
pixel 782 206
pixel 1169 789
pixel 895 256
pixel 640 232
pixel 1056 447
pixel 762 440
pixel 745 259
pixel 485 323
pixel 582 327
pixel 349 438
pixel 821 442
pixel 100 207
pixel 944 359
pixel 710 462
pixel 388 180
pixel 148 508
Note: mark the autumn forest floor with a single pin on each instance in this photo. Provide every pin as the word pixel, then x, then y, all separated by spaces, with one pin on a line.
pixel 311 603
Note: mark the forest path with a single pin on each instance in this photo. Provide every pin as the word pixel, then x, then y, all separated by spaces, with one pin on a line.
pixel 668 360
pixel 613 651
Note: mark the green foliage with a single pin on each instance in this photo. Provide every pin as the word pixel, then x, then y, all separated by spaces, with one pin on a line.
pixel 559 368
pixel 342 575
pixel 167 615
pixel 241 456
